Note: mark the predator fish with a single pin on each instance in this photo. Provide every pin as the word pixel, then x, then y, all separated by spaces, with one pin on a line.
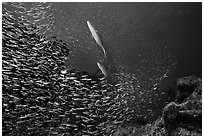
pixel 96 37
pixel 102 68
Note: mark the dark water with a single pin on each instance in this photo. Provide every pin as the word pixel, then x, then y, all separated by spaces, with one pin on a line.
pixel 146 43
pixel 125 29
pixel 178 24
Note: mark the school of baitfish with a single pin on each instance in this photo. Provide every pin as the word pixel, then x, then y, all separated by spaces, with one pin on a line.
pixel 41 97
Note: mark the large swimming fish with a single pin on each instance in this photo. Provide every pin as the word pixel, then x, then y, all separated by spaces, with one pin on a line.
pixel 96 37
pixel 102 68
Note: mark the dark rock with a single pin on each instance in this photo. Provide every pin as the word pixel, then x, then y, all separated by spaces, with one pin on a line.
pixel 191 109
pixel 170 113
pixel 184 116
pixel 186 86
pixel 157 128
pixel 187 114
pixel 184 132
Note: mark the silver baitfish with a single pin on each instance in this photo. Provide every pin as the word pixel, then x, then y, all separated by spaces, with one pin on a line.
pixel 41 97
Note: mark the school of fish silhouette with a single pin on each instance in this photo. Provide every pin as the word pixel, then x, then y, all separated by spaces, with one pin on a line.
pixel 41 97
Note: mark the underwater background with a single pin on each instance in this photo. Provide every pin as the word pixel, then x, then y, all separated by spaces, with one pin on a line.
pixel 148 46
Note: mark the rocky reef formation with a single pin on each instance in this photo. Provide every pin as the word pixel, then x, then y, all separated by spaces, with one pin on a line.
pixel 183 117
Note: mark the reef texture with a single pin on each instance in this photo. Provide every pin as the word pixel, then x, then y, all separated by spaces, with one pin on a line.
pixel 184 116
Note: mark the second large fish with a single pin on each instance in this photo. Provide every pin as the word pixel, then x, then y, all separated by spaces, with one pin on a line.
pixel 96 37
pixel 102 68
